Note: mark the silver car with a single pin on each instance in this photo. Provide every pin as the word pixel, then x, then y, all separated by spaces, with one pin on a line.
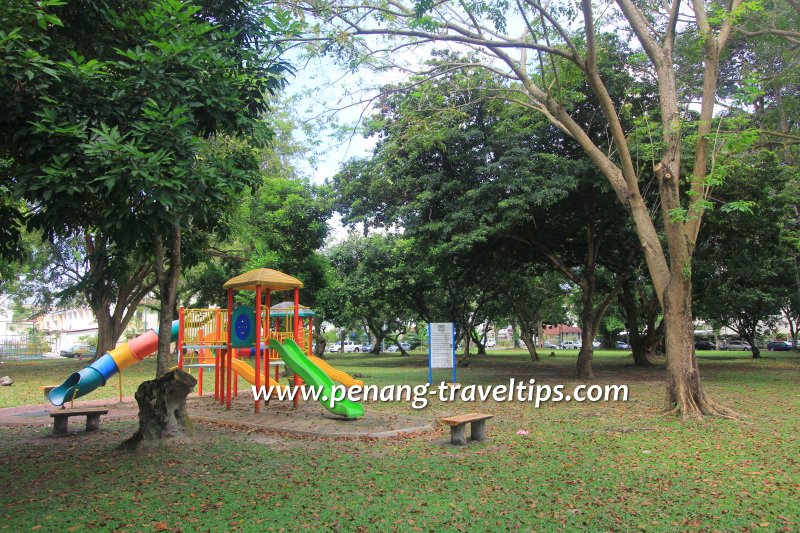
pixel 393 348
pixel 79 350
pixel 738 346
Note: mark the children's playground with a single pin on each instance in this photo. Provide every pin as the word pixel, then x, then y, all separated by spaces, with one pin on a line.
pixel 234 352
pixel 275 464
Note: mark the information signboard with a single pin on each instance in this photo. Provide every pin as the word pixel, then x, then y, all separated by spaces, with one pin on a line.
pixel 441 347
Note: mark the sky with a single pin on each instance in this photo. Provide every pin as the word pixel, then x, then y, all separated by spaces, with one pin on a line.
pixel 318 89
pixel 330 91
pixel 328 94
pixel 323 94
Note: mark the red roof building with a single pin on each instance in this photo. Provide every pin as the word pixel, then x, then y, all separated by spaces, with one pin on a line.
pixel 561 332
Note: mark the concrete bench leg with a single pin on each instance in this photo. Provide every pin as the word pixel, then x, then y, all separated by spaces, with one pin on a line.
pixel 457 437
pixel 479 430
pixel 60 425
pixel 93 422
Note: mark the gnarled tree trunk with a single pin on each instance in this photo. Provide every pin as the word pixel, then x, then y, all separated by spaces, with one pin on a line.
pixel 162 409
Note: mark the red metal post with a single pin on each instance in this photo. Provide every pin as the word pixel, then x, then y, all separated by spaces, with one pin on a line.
pixel 269 315
pixel 229 352
pixel 199 381
pixel 296 325
pixel 180 337
pixel 268 332
pixel 217 356
pixel 216 351
pixel 296 322
pixel 258 342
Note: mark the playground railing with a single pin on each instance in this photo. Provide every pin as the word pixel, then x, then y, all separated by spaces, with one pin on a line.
pixel 205 327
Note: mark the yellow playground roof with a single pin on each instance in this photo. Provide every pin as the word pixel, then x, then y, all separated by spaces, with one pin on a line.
pixel 266 278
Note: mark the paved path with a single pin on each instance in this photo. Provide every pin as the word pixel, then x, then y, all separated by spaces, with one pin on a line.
pixel 308 419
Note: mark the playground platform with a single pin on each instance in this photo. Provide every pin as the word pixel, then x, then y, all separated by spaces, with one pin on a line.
pixel 308 419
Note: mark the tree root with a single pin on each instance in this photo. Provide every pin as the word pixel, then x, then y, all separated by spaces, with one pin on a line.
pixel 688 406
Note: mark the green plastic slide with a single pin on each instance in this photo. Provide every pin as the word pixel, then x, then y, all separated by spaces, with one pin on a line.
pixel 293 356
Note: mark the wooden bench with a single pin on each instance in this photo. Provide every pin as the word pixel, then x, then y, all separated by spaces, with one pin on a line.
pixel 61 416
pixel 457 424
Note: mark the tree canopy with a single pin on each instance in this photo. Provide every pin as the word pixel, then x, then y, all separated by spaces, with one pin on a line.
pixel 534 47
pixel 117 115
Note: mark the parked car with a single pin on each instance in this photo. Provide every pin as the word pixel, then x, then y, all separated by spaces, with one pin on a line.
pixel 550 345
pixel 349 347
pixel 705 345
pixel 79 350
pixel 366 347
pixel 739 346
pixel 571 345
pixel 393 347
pixel 491 344
pixel 596 344
pixel 779 346
pixel 623 345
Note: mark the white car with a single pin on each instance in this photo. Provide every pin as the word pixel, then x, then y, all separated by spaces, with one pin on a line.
pixel 491 344
pixel 571 345
pixel 349 347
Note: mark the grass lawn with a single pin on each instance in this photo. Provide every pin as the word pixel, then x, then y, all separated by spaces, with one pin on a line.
pixel 594 466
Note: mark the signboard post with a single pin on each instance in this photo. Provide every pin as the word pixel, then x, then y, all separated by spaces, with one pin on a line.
pixel 441 347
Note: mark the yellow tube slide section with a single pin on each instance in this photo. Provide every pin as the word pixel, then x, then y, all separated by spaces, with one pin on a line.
pixel 249 374
pixel 123 356
pixel 336 375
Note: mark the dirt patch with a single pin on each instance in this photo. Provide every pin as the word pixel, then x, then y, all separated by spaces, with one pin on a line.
pixel 308 419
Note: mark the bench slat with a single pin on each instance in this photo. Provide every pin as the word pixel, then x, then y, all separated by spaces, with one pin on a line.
pixel 61 417
pixel 78 412
pixel 464 419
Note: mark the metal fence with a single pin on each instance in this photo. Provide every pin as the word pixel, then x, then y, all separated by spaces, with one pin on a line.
pixel 21 348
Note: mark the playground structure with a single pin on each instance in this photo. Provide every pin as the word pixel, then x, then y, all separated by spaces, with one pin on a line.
pixel 283 334
pixel 206 340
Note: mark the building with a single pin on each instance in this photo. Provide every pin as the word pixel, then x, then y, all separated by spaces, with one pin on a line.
pixel 71 326
pixel 560 333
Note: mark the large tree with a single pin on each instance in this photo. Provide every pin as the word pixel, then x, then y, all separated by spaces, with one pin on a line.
pixel 86 270
pixel 369 277
pixel 116 115
pixel 529 194
pixel 534 46
pixel 281 222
